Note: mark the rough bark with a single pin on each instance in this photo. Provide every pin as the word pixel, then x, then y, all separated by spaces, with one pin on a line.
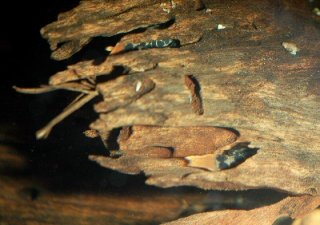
pixel 246 81
pixel 255 82
pixel 26 198
pixel 74 29
pixel 291 207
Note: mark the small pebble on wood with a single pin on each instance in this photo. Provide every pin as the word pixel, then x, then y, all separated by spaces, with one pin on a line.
pixel 291 47
pixel 221 27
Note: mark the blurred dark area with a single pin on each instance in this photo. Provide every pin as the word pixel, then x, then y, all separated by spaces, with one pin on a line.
pixel 60 161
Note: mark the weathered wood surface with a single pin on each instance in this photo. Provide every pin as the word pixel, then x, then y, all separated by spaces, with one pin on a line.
pixel 74 29
pixel 247 80
pixel 26 198
pixel 293 207
pixel 19 206
pixel 233 85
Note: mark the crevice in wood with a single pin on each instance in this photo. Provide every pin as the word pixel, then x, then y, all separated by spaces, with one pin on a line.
pixel 30 193
pixel 165 25
pixel 283 220
pixel 111 141
pixel 199 5
pixel 117 71
pixel 195 98
pixel 162 43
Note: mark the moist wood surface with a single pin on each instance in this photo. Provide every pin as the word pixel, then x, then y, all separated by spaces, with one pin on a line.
pixel 249 86
pixel 247 82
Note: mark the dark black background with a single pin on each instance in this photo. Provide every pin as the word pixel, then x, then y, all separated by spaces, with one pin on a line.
pixel 61 161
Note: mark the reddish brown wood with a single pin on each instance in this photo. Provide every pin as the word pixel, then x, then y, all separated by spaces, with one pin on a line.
pixel 251 90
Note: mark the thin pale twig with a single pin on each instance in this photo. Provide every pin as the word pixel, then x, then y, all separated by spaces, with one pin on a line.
pixel 45 89
pixel 74 101
pixel 38 90
pixel 75 105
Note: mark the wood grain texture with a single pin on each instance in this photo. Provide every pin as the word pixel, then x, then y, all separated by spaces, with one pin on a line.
pixel 27 198
pixel 251 90
pixel 293 207
pixel 197 141
pixel 74 29
pixel 248 82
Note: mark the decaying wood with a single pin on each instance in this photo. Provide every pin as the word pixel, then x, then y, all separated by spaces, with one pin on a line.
pixel 219 89
pixel 127 95
pixel 28 198
pixel 25 199
pixel 248 82
pixel 294 207
pixel 74 29
pixel 309 219
pixel 195 97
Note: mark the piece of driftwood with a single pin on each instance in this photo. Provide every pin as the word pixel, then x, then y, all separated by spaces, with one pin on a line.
pixel 74 29
pixel 28 198
pixel 243 77
pixel 291 207
pixel 25 199
pixel 230 106
pixel 247 81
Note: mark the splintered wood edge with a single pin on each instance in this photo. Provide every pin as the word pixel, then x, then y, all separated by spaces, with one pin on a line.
pixel 294 207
